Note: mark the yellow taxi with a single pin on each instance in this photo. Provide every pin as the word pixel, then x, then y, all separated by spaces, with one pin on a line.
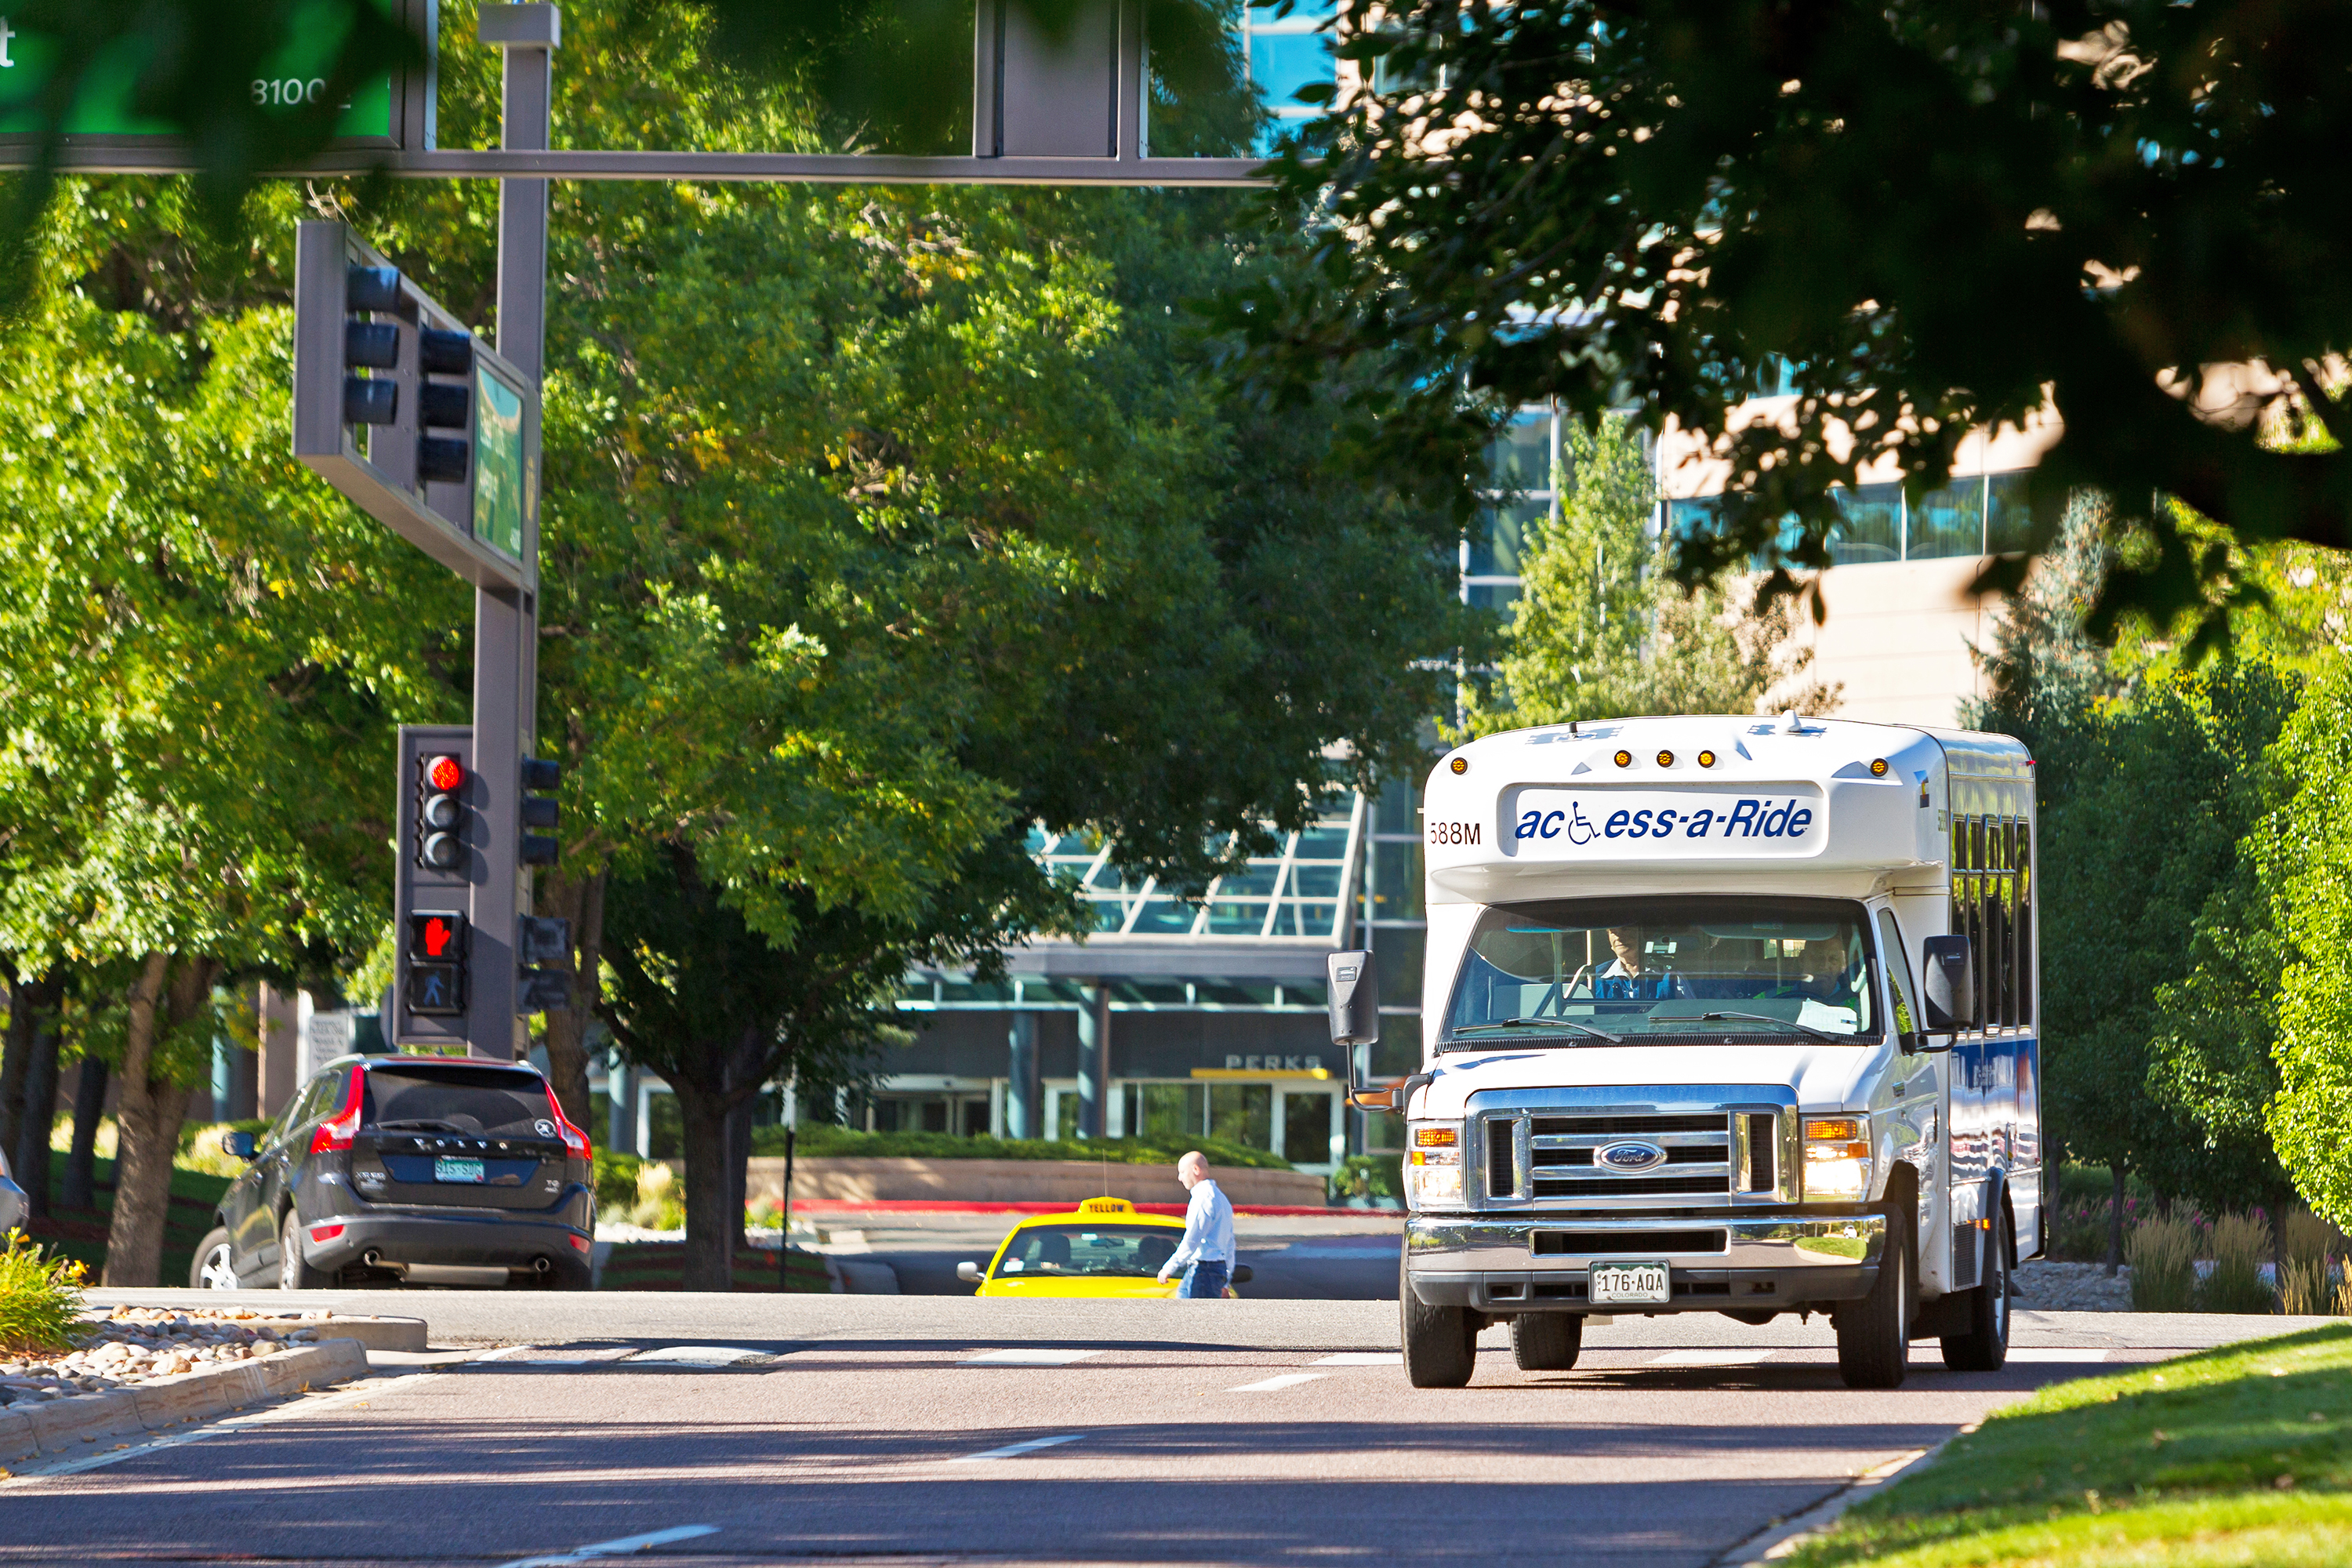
pixel 1102 1248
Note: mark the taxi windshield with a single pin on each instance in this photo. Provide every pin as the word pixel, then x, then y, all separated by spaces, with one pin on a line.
pixel 1088 1250
pixel 1654 970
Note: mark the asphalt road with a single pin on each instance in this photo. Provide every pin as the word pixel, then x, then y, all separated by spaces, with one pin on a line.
pixel 930 1430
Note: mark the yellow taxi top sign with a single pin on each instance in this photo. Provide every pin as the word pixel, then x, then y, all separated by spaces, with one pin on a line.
pixel 1106 1205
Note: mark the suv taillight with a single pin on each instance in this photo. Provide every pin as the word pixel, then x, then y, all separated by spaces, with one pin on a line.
pixel 574 1141
pixel 338 1130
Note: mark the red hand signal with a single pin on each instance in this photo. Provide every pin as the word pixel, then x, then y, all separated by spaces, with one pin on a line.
pixel 437 938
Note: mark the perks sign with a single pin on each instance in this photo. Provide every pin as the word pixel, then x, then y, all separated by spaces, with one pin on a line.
pixel 1702 824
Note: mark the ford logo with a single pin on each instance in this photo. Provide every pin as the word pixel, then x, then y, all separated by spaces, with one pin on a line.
pixel 1629 1156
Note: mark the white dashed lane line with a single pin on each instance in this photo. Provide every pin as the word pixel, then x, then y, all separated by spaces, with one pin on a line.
pixel 1361 1358
pixel 1027 1358
pixel 1014 1450
pixel 1710 1358
pixel 697 1356
pixel 626 1546
pixel 1288 1379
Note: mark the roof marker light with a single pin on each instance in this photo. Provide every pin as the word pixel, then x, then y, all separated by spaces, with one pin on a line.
pixel 1878 767
pixel 1460 764
pixel 1666 759
pixel 1706 759
pixel 1624 759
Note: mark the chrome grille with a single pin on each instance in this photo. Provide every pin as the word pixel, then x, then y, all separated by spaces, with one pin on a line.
pixel 1721 1145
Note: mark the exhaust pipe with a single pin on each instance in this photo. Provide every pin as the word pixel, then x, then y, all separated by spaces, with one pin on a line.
pixel 541 1265
pixel 373 1258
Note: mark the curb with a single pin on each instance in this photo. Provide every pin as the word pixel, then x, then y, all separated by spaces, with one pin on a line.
pixel 1783 1540
pixel 373 1333
pixel 57 1427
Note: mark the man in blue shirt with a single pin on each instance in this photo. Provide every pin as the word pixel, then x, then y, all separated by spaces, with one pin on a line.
pixel 1629 978
pixel 1206 1253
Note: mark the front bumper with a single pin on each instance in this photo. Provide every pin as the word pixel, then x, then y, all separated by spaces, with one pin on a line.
pixel 476 1240
pixel 1750 1262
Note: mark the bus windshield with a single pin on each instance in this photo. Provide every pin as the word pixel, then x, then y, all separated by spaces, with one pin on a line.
pixel 1653 969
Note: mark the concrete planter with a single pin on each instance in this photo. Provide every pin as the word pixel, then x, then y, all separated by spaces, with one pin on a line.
pixel 1015 1181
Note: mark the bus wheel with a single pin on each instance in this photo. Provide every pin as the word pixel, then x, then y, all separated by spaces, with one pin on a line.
pixel 1546 1341
pixel 1441 1344
pixel 1874 1334
pixel 1985 1346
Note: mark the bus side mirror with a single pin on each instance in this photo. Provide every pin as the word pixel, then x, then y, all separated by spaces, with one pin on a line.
pixel 1355 998
pixel 1948 973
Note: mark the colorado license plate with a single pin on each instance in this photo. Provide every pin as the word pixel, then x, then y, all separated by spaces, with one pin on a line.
pixel 1629 1284
pixel 449 1170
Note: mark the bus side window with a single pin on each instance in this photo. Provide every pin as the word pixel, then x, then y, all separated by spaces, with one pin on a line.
pixel 2025 924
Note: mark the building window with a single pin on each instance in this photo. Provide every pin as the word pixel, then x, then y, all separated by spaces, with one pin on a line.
pixel 1286 54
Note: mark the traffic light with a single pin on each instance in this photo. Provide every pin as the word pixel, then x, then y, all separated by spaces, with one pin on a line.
pixel 441 848
pixel 539 777
pixel 543 940
pixel 436 947
pixel 401 408
pixel 441 811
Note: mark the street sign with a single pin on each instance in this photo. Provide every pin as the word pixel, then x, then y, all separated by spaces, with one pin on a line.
pixel 398 405
pixel 392 112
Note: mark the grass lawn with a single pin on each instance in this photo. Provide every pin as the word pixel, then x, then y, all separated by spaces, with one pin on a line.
pixel 82 1233
pixel 2240 1455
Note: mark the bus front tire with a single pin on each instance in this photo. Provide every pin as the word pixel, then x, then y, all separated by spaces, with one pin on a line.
pixel 1874 1334
pixel 1546 1341
pixel 1441 1344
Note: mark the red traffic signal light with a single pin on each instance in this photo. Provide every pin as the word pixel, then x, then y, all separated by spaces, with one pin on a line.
pixel 444 773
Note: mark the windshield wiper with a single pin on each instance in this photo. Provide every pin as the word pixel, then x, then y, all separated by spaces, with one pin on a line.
pixel 1783 1023
pixel 1543 1023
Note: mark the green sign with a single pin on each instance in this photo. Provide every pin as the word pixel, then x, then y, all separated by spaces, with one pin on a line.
pixel 498 475
pixel 297 77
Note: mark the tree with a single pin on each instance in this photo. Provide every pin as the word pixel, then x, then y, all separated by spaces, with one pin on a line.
pixel 1601 630
pixel 181 633
pixel 1941 215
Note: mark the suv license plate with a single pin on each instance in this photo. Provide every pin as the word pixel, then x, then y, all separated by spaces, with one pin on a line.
pixel 449 1170
pixel 1629 1284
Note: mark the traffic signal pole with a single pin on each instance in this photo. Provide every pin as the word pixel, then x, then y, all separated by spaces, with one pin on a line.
pixel 506 620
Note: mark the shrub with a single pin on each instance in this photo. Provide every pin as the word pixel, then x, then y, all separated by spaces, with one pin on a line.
pixel 2242 1245
pixel 40 1298
pixel 1369 1176
pixel 2162 1254
pixel 2303 1287
pixel 617 1181
pixel 821 1142
pixel 2078 1230
pixel 2304 1237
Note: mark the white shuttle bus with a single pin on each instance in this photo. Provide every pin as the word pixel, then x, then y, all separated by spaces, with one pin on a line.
pixel 1720 1014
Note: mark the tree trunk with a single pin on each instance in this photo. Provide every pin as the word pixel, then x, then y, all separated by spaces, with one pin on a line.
pixel 148 1113
pixel 16 1052
pixel 738 1164
pixel 31 1155
pixel 709 1240
pixel 2115 1223
pixel 79 1191
pixel 580 900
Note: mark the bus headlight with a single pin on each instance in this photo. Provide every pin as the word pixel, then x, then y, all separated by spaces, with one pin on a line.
pixel 1837 1158
pixel 1433 1162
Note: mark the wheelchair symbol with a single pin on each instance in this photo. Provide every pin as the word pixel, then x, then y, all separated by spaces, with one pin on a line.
pixel 1579 827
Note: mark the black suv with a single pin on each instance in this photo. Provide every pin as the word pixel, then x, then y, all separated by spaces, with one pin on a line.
pixel 408 1170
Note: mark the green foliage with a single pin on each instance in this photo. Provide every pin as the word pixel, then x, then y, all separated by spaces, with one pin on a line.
pixel 1601 630
pixel 40 1298
pixel 1369 1176
pixel 2241 1244
pixel 616 1181
pixel 818 1140
pixel 2239 1455
pixel 2162 1254
pixel 1660 207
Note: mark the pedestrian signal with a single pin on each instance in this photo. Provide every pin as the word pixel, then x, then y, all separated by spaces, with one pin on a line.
pixel 436 963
